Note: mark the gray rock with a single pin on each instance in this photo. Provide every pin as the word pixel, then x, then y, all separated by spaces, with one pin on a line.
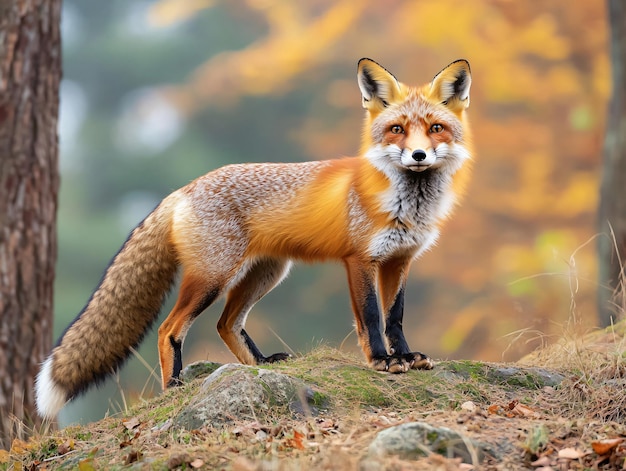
pixel 239 392
pixel 526 377
pixel 415 439
pixel 198 369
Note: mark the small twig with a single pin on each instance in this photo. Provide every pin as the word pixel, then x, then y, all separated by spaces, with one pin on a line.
pixel 52 458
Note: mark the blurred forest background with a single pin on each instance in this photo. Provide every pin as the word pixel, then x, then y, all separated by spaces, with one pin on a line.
pixel 156 93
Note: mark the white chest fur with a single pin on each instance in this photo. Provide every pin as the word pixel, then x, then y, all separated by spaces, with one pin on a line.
pixel 415 204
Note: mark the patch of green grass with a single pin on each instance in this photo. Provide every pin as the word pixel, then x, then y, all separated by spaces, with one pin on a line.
pixel 468 369
pixel 319 399
pixel 162 413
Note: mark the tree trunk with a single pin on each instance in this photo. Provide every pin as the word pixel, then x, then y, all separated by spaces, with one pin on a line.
pixel 30 71
pixel 612 220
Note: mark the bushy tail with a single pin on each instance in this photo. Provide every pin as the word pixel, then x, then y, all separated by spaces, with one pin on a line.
pixel 117 316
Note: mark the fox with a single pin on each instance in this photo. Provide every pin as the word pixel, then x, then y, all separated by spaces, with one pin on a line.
pixel 236 232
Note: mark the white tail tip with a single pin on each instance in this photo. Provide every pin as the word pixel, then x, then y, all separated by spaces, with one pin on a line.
pixel 50 397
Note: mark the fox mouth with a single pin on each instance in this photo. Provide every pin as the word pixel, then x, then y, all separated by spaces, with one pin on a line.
pixel 418 167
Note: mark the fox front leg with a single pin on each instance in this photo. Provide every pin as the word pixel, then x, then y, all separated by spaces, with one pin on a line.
pixel 365 305
pixel 392 281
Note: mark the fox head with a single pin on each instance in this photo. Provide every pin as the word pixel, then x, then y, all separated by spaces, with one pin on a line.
pixel 415 128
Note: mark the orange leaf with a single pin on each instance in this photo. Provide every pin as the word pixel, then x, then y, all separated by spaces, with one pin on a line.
pixel 524 411
pixel 606 446
pixel 296 441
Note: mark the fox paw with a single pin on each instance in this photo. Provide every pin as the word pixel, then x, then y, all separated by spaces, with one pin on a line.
pixel 276 357
pixel 401 363
pixel 419 361
pixel 174 382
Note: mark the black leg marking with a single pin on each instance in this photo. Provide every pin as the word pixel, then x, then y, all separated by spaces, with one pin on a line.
pixel 258 356
pixel 371 318
pixel 256 353
pixel 177 345
pixel 178 362
pixel 402 358
pixel 205 303
pixel 393 326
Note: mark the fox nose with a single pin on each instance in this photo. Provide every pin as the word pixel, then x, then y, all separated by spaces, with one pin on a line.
pixel 418 155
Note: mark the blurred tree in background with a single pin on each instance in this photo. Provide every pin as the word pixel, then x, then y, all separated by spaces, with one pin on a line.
pixel 157 93
pixel 612 218
pixel 30 72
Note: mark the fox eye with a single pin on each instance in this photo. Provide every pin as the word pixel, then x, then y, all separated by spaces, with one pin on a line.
pixel 397 129
pixel 436 128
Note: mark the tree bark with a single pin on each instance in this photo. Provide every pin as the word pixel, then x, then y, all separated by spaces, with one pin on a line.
pixel 30 71
pixel 612 214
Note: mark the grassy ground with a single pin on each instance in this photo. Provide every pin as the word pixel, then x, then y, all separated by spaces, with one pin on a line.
pixel 530 424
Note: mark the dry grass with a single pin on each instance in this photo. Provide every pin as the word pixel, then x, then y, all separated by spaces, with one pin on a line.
pixel 523 421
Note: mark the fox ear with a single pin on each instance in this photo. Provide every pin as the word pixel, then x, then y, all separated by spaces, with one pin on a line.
pixel 378 86
pixel 451 86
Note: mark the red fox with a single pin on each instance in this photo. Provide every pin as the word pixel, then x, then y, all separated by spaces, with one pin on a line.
pixel 235 231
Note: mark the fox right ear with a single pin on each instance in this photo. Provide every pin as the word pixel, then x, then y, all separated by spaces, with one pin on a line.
pixel 378 86
pixel 452 85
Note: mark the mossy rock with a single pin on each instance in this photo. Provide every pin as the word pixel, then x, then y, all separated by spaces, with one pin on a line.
pixel 239 392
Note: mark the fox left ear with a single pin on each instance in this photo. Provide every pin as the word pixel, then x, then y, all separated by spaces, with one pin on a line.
pixel 378 86
pixel 451 86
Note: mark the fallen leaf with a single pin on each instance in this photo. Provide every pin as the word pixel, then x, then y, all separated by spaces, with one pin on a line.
pixel 296 441
pixel 197 463
pixel 132 423
pixel 606 446
pixel 571 453
pixel 541 462
pixel 66 447
pixel 524 411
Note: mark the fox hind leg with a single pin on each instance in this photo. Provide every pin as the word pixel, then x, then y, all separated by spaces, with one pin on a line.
pixel 195 295
pixel 259 280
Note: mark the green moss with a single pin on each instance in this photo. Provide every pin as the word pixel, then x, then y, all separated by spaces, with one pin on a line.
pixel 319 399
pixel 162 413
pixel 516 378
pixel 198 369
pixel 466 368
